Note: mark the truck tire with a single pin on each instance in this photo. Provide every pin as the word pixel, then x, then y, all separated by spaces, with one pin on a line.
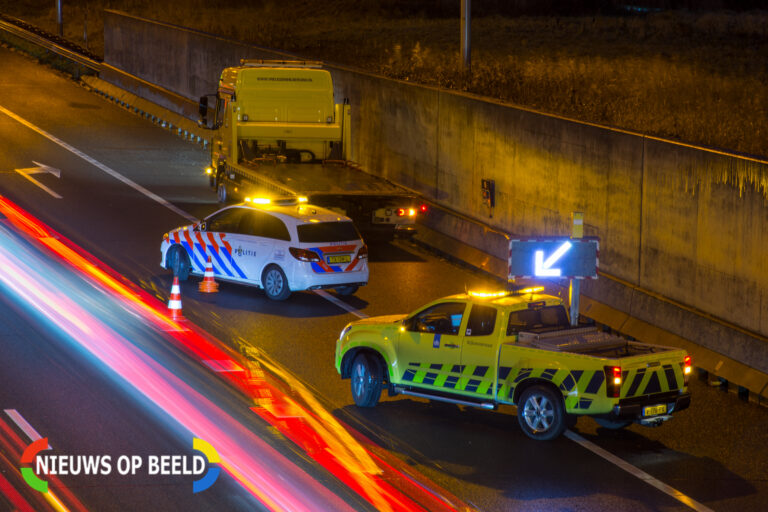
pixel 222 193
pixel 275 283
pixel 177 260
pixel 346 290
pixel 612 424
pixel 540 413
pixel 366 381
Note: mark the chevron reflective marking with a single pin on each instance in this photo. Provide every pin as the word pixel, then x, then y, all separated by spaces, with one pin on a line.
pixel 653 386
pixel 595 382
pixel 429 378
pixel 584 403
pixel 549 373
pixel 568 383
pixel 472 385
pixel 480 371
pixel 576 374
pixel 504 372
pixel 671 377
pixel 409 375
pixel 524 374
pixel 632 391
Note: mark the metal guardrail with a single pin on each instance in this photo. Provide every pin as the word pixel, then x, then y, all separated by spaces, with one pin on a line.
pixel 50 42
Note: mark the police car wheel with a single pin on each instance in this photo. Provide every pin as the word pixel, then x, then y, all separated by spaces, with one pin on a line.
pixel 346 290
pixel 275 283
pixel 612 424
pixel 366 381
pixel 540 413
pixel 177 260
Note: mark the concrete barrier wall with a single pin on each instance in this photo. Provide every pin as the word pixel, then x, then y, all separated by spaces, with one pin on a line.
pixel 684 223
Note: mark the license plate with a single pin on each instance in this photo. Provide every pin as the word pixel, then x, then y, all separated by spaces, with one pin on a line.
pixel 653 410
pixel 342 258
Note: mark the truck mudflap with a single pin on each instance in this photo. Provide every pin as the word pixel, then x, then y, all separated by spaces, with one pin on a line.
pixel 650 409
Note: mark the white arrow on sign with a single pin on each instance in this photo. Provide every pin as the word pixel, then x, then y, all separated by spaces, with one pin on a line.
pixel 41 168
pixel 543 268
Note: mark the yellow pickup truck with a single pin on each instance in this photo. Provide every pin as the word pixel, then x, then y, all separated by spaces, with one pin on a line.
pixel 517 348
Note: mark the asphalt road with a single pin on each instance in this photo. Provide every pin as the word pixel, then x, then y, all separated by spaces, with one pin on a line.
pixel 714 453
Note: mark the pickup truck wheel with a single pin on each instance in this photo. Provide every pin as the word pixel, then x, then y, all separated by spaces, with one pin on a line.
pixel 540 413
pixel 275 283
pixel 177 260
pixel 366 381
pixel 612 424
pixel 346 290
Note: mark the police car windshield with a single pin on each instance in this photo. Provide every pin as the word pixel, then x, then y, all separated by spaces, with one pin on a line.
pixel 319 232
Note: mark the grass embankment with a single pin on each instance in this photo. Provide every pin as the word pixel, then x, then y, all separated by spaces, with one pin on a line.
pixel 698 77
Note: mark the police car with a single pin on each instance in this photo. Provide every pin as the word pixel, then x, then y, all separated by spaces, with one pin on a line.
pixel 280 246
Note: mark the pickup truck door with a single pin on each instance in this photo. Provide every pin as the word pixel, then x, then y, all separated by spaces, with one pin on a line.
pixel 479 342
pixel 429 350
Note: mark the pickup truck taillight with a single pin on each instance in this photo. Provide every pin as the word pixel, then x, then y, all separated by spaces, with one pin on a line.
pixel 362 253
pixel 612 381
pixel 687 368
pixel 303 254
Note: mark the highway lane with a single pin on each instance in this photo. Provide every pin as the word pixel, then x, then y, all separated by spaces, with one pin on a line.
pixel 123 390
pixel 713 452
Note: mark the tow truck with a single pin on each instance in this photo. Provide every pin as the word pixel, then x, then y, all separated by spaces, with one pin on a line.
pixel 278 133
pixel 514 348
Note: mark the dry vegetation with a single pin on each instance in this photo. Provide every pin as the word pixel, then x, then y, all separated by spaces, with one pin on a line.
pixel 696 76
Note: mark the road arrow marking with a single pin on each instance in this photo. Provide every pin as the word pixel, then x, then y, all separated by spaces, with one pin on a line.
pixel 40 169
pixel 543 268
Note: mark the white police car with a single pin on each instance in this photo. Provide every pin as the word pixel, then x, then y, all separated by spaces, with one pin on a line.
pixel 278 246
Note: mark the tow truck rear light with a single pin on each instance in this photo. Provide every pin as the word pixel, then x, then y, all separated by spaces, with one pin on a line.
pixel 362 253
pixel 303 254
pixel 401 212
pixel 687 368
pixel 423 208
pixel 612 381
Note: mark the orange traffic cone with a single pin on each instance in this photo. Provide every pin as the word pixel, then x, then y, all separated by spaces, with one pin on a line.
pixel 174 303
pixel 208 285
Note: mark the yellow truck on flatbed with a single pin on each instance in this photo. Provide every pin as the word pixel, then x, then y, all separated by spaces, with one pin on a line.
pixel 277 132
pixel 515 348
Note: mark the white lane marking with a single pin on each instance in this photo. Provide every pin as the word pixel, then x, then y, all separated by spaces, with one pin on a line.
pixel 33 180
pixel 99 165
pixel 40 169
pixel 343 305
pixel 637 472
pixel 24 425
